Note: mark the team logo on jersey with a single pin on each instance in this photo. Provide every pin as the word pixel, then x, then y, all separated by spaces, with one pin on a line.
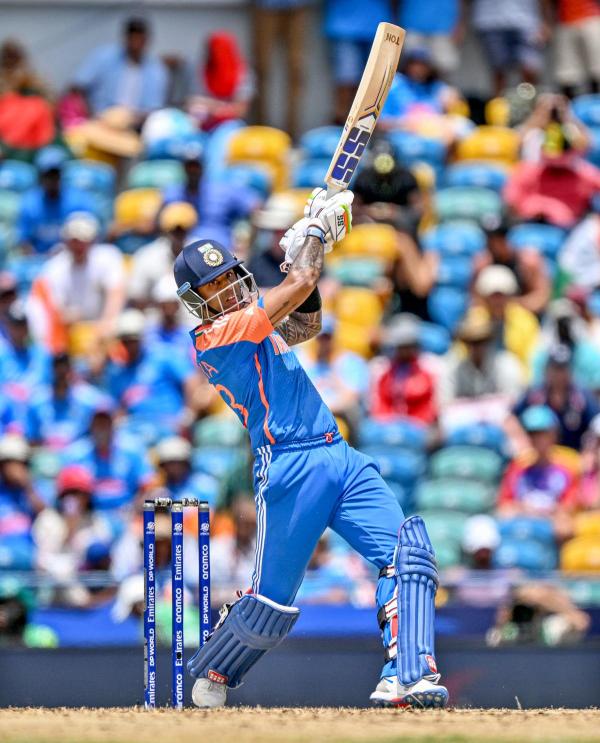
pixel 212 256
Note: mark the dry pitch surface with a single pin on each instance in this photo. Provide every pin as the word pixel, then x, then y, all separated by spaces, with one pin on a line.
pixel 255 725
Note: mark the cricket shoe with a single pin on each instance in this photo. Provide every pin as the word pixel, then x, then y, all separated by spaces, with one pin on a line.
pixel 425 694
pixel 207 693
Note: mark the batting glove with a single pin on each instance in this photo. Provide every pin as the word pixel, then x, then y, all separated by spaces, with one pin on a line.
pixel 295 238
pixel 335 213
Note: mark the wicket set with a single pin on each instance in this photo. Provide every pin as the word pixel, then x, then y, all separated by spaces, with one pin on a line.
pixel 177 592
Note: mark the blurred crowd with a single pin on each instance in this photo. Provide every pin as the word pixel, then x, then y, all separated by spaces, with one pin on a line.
pixel 461 333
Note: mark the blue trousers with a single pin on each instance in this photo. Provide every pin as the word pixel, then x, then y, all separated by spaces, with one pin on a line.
pixel 305 487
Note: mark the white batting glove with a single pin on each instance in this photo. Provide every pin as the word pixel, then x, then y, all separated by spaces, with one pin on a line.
pixel 295 238
pixel 331 212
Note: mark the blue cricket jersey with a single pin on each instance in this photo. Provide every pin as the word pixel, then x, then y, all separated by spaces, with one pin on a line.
pixel 253 369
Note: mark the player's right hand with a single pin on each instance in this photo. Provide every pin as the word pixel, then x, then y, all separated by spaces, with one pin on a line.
pixel 335 213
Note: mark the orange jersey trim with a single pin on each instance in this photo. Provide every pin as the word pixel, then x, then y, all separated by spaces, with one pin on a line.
pixel 250 324
pixel 264 400
pixel 233 403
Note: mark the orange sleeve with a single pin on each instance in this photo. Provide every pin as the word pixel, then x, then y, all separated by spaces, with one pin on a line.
pixel 506 494
pixel 251 324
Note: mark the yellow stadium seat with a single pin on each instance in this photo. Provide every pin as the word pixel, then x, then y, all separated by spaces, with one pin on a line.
pixel 497 112
pixel 587 524
pixel 373 240
pixel 82 336
pixel 581 554
pixel 493 143
pixel 137 208
pixel 352 337
pixel 359 306
pixel 264 145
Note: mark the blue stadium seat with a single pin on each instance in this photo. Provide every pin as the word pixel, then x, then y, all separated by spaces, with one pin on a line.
pixel 16 552
pixel 217 461
pixel 310 173
pixel 467 202
pixel 404 496
pixel 10 202
pixel 546 238
pixel 455 238
pixel 587 108
pixel 434 338
pixel 17 176
pixel 156 174
pixel 250 176
pixel 474 173
pixel 91 176
pixel 320 143
pixel 528 527
pixel 26 268
pixel 593 153
pixel 175 148
pixel 487 435
pixel 397 432
pixel 467 462
pixel 455 270
pixel 399 464
pixel 412 148
pixel 525 554
pixel 447 306
pixel 454 494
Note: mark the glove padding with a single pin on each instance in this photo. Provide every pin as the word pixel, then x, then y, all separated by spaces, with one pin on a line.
pixel 335 213
pixel 294 239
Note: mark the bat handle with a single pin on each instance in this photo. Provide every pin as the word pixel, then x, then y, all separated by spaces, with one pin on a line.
pixel 333 190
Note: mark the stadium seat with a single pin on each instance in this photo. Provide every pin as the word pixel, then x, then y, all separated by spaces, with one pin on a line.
pixel 17 176
pixel 587 108
pixel 174 148
pixel 217 461
pixel 581 554
pixel 486 435
pixel 447 306
pixel 16 552
pixel 434 338
pixel 467 496
pixel 399 464
pixel 593 152
pixel 8 240
pixel 497 112
pixel 545 238
pixel 526 554
pixel 447 554
pixel 156 174
pixel 527 527
pixel 137 208
pixel 10 202
pixel 265 145
pixel 471 203
pixel 413 148
pixel 350 336
pixel 403 432
pixel 219 430
pixel 445 525
pixel 309 173
pixel 479 174
pixel 403 495
pixel 497 144
pixel 455 270
pixel 469 462
pixel 358 305
pixel 455 238
pixel 82 338
pixel 251 175
pixel 90 176
pixel 320 143
pixel 26 269
pixel 583 592
pixel 587 524
pixel 361 271
pixel 371 240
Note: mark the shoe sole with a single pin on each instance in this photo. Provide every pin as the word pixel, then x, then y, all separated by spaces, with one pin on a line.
pixel 437 699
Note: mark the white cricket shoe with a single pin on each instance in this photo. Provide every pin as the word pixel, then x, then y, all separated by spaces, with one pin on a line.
pixel 425 693
pixel 207 693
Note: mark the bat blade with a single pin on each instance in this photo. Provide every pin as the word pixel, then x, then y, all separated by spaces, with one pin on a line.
pixel 372 92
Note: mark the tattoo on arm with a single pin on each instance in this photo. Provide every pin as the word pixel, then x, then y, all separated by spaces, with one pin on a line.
pixel 300 327
pixel 310 258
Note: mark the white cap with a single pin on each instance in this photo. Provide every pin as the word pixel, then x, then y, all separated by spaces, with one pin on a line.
pixel 174 449
pixel 279 212
pixel 165 289
pixel 130 323
pixel 80 226
pixel 496 280
pixel 130 593
pixel 480 533
pixel 13 447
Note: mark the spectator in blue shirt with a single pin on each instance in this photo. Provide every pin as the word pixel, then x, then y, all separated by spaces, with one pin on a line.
pixel 168 328
pixel 124 74
pixel 174 455
pixel 118 463
pixel 436 25
pixel 60 413
pixel 219 204
pixel 8 294
pixel 45 207
pixel 326 581
pixel 149 382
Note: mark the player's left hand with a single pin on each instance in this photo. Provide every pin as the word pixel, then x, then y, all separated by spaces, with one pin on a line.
pixel 294 239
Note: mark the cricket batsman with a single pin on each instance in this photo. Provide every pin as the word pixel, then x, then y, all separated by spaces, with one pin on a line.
pixel 306 477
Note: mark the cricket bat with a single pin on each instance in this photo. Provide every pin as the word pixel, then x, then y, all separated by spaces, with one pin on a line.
pixel 369 99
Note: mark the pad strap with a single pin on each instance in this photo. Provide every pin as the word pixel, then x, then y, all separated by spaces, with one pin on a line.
pixel 251 627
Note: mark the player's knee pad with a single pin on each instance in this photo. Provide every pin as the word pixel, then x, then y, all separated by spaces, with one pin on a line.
pixel 253 625
pixel 406 616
